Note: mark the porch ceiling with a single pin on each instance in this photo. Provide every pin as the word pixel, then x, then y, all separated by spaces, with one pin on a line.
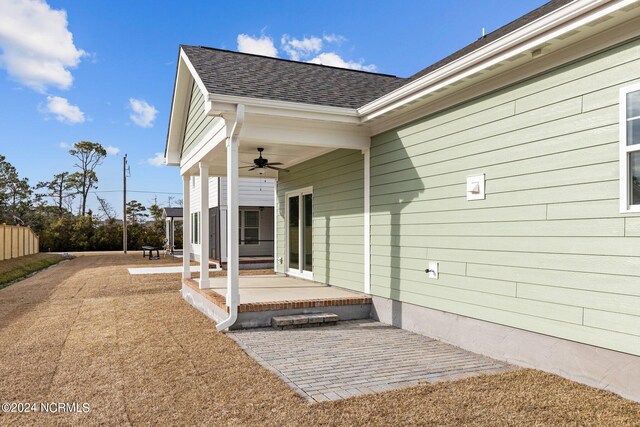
pixel 287 154
pixel 285 140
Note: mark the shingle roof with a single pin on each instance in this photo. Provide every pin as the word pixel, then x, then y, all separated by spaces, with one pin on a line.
pixel 232 73
pixel 172 212
pixel 239 74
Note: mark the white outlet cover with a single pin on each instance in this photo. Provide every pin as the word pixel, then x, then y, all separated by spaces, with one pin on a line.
pixel 475 187
pixel 434 270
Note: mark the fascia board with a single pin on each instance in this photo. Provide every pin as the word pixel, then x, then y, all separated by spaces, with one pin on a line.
pixel 528 37
pixel 218 104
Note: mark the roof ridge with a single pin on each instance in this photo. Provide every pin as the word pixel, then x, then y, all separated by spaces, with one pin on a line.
pixel 292 61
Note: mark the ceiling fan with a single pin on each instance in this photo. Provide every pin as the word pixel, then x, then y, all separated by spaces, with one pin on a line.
pixel 262 163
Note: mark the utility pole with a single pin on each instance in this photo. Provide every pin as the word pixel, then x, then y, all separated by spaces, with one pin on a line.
pixel 124 204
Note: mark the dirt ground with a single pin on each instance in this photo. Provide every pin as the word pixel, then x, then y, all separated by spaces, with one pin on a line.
pixel 86 331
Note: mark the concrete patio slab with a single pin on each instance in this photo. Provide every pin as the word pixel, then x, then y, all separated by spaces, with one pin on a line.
pixel 265 296
pixel 257 289
pixel 165 270
pixel 358 357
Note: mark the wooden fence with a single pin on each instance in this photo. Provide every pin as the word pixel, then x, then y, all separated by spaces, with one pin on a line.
pixel 17 241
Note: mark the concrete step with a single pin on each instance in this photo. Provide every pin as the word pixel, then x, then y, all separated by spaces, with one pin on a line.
pixel 304 320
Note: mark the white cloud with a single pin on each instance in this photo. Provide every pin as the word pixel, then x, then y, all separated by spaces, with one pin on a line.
pixel 64 145
pixel 142 113
pixel 334 38
pixel 157 160
pixel 310 49
pixel 37 48
pixel 62 110
pixel 262 45
pixel 334 60
pixel 111 150
pixel 301 48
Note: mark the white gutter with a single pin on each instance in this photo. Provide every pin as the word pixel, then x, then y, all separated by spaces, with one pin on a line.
pixel 233 256
pixel 557 23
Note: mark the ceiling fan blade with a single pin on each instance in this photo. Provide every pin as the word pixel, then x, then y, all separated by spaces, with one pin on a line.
pixel 275 163
pixel 278 169
pixel 252 169
pixel 246 167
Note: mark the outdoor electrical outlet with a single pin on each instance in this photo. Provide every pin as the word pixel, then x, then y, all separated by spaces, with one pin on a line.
pixel 432 270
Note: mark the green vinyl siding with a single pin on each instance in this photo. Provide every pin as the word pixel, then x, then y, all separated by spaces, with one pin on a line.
pixel 337 179
pixel 548 250
pixel 198 123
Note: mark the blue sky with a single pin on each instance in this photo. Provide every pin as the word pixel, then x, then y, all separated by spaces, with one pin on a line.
pixel 105 74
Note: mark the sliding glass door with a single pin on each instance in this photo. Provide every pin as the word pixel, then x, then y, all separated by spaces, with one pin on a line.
pixel 294 232
pixel 300 233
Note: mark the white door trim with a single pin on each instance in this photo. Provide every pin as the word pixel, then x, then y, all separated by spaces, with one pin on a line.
pixel 299 272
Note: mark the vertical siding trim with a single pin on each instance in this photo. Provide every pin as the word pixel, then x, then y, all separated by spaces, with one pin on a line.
pixel 626 149
pixel 275 226
pixel 367 220
pixel 622 137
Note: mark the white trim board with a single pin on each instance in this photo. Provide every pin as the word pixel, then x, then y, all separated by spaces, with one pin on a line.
pixel 166 270
pixel 625 150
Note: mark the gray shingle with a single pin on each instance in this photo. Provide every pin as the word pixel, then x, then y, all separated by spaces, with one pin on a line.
pixel 172 212
pixel 231 73
pixel 239 74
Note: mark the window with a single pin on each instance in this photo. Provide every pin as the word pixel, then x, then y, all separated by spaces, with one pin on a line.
pixel 195 228
pixel 630 149
pixel 249 227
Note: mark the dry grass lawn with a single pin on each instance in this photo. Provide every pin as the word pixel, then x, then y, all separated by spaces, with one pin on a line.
pixel 86 331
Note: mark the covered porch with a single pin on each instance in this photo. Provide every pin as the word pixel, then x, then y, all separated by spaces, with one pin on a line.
pixel 268 296
pixel 226 135
pixel 232 151
pixel 171 215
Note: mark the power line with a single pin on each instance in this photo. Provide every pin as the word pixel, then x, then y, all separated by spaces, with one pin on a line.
pixel 132 191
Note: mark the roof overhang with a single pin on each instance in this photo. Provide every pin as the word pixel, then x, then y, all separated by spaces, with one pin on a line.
pixel 185 75
pixel 218 105
pixel 549 33
pixel 278 122
pixel 540 45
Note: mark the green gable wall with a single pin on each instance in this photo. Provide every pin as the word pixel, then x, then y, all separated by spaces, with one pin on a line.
pixel 198 123
pixel 548 250
pixel 338 205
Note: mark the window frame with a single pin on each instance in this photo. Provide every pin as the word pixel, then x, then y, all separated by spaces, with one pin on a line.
pixel 242 225
pixel 195 228
pixel 625 150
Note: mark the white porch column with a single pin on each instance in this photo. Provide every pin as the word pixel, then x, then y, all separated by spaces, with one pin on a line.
pixel 167 224
pixel 173 233
pixel 186 228
pixel 233 250
pixel 367 221
pixel 204 225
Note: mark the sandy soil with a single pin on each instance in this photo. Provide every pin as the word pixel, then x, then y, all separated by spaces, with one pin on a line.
pixel 87 331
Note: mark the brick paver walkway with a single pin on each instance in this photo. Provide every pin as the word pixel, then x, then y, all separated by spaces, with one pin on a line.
pixel 356 357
